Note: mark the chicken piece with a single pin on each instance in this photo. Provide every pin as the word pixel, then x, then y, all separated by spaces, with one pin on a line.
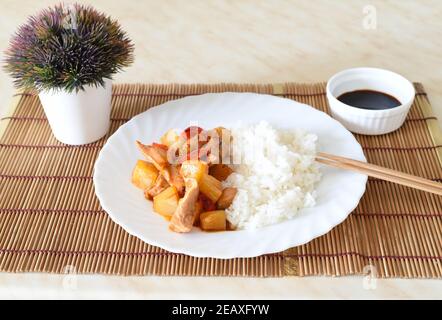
pixel 184 216
pixel 226 198
pixel 160 185
pixel 174 178
pixel 154 154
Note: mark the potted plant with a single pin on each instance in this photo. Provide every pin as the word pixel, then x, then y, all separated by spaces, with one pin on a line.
pixel 69 54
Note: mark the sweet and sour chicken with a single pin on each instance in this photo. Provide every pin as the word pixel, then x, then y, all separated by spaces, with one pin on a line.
pixel 183 177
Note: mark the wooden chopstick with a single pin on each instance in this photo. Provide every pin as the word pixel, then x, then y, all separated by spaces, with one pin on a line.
pixel 380 169
pixel 380 172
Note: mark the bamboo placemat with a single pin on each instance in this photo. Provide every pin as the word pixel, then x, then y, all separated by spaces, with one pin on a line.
pixel 51 221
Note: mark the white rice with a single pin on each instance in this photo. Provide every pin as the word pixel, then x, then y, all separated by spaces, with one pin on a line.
pixel 276 175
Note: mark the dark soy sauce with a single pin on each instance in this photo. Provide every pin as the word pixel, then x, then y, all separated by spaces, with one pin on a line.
pixel 369 99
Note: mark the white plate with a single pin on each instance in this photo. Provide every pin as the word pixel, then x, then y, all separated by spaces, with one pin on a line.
pixel 338 191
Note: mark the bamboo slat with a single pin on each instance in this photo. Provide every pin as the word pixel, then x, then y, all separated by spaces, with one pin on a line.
pixel 51 221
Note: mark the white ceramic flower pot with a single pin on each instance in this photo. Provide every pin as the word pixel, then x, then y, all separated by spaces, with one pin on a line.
pixel 78 118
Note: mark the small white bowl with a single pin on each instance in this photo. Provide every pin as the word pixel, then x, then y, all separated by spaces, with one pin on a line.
pixel 370 122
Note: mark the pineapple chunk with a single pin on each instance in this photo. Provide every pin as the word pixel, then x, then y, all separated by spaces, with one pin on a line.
pixel 220 171
pixel 160 146
pixel 226 198
pixel 213 220
pixel 166 202
pixel 169 138
pixel 144 175
pixel 194 169
pixel 210 187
